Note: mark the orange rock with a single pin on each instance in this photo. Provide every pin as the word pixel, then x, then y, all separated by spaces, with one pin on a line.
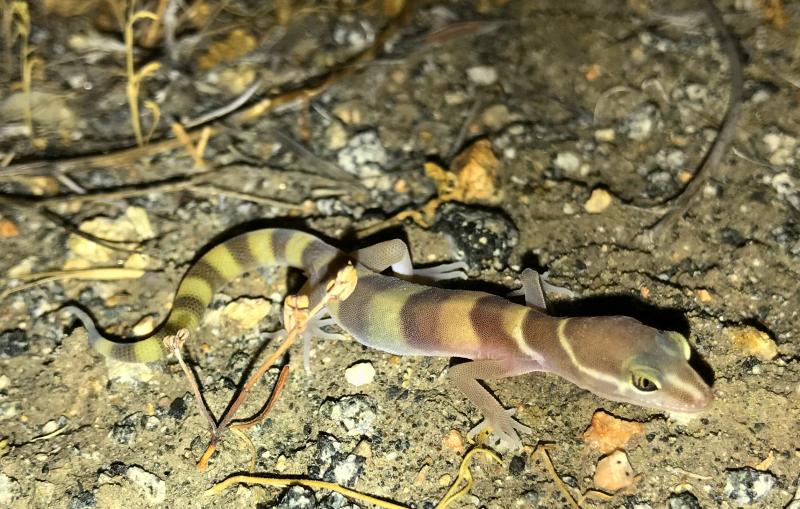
pixel 608 433
pixel 454 441
pixel 754 342
pixel 476 168
pixel 8 228
pixel 614 472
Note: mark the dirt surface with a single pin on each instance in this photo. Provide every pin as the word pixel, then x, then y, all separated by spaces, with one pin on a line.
pixel 613 101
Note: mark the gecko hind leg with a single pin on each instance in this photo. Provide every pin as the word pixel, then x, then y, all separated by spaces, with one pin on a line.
pixel 534 288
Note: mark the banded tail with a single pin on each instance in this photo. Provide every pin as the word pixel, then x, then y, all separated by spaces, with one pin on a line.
pixel 222 264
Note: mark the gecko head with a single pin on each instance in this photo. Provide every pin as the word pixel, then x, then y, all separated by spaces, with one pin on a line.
pixel 622 359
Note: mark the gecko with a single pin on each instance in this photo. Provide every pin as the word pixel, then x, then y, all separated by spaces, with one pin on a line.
pixel 615 357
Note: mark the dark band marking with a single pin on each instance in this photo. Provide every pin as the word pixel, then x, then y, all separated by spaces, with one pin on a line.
pixel 240 250
pixel 486 318
pixel 191 304
pixel 205 270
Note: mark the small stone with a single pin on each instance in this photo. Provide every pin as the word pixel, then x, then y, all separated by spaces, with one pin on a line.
pixel 13 343
pixel 360 373
pixel 9 490
pixel 364 155
pixel 599 201
pixel 84 499
pixel 641 122
pixel 154 488
pixel 177 409
pixel 496 116
pixel 5 382
pixel 753 342
pixel 704 296
pixel 445 480
pixel 245 312
pixel 683 500
pixel 517 465
pixel 746 485
pixel 614 472
pixel 124 431
pixel 453 441
pixel 297 497
pixel 482 75
pixel 608 433
pixel 781 148
pixel 356 413
pixel 349 112
pixel 605 135
pixel 335 136
pixel 568 162
pixel 476 168
pixel 8 228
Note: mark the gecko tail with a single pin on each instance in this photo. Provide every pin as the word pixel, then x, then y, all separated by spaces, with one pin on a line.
pixel 147 349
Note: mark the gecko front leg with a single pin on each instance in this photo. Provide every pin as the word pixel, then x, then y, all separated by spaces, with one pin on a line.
pixel 500 420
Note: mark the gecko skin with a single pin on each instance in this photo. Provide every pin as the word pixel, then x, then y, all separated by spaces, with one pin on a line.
pixel 615 357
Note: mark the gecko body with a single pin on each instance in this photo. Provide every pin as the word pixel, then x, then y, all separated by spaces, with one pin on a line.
pixel 615 357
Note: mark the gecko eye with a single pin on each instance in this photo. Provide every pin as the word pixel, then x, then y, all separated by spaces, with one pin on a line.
pixel 642 383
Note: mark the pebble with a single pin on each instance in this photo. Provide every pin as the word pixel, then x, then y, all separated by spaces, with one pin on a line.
pixel 8 228
pixel 360 373
pixel 356 413
pixel 13 343
pixel 605 135
pixel 333 465
pixel 683 500
pixel 5 382
pixel 177 409
pixel 246 312
pixel 614 472
pixel 124 431
pixel 517 465
pixel 364 156
pixel 482 74
pixel 781 147
pixel 483 238
pixel 82 500
pixel 747 485
pixel 9 490
pixel 607 433
pixel 599 201
pixel 154 488
pixel 297 497
pixel 568 162
pixel 639 125
pixel 496 116
pixel 335 136
pixel 753 342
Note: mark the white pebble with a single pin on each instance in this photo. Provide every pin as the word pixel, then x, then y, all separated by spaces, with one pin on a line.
pixel 360 373
pixel 482 74
pixel 567 161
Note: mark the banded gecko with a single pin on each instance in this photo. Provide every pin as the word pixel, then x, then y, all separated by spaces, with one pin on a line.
pixel 615 357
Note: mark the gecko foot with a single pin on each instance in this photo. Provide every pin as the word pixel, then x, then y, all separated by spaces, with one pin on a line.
pixel 504 427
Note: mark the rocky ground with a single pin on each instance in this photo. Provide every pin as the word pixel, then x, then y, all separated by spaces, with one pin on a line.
pixel 505 133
